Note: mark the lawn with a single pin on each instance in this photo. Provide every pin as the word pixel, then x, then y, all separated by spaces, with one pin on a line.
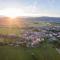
pixel 20 53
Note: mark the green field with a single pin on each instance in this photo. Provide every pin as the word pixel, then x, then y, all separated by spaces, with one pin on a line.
pixel 39 24
pixel 55 24
pixel 6 30
pixel 22 53
pixel 45 52
pixel 17 31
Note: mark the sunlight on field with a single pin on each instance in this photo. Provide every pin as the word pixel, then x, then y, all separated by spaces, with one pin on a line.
pixel 14 22
pixel 16 31
pixel 39 24
pixel 15 27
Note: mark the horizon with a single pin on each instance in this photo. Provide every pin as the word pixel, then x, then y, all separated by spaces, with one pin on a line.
pixel 28 16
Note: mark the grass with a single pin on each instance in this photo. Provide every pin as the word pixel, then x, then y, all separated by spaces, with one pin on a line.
pixel 36 24
pixel 43 23
pixel 17 31
pixel 55 23
pixel 6 30
pixel 22 53
pixel 13 53
pixel 45 52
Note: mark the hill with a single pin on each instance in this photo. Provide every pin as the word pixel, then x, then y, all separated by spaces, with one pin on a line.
pixel 23 21
pixel 46 19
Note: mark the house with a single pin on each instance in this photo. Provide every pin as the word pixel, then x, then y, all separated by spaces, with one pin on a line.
pixel 32 38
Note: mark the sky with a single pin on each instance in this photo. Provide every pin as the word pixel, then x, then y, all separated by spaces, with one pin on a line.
pixel 30 8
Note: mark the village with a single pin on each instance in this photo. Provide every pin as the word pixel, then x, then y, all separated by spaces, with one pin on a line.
pixel 32 37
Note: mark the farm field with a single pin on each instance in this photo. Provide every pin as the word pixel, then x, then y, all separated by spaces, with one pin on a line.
pixel 6 30
pixel 17 31
pixel 29 29
pixel 44 52
pixel 22 53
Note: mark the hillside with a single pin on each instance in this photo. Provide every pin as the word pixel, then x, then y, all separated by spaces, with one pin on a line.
pixel 46 19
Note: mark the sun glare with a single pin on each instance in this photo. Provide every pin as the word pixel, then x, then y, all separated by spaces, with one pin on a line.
pixel 11 15
pixel 12 12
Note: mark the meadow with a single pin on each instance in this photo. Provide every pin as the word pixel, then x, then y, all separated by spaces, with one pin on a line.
pixel 7 30
pixel 44 52
pixel 18 31
pixel 22 53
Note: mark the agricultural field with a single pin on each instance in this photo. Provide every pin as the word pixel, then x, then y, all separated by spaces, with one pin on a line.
pixel 41 23
pixel 44 52
pixel 22 53
pixel 8 30
pixel 38 24
pixel 57 24
pixel 17 31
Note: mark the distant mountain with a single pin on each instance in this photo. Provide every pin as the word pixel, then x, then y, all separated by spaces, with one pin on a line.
pixel 21 21
pixel 46 19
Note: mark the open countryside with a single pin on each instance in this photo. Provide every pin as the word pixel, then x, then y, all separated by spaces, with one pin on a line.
pixel 37 41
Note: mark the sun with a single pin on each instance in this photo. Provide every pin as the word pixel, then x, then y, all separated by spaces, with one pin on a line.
pixel 12 12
